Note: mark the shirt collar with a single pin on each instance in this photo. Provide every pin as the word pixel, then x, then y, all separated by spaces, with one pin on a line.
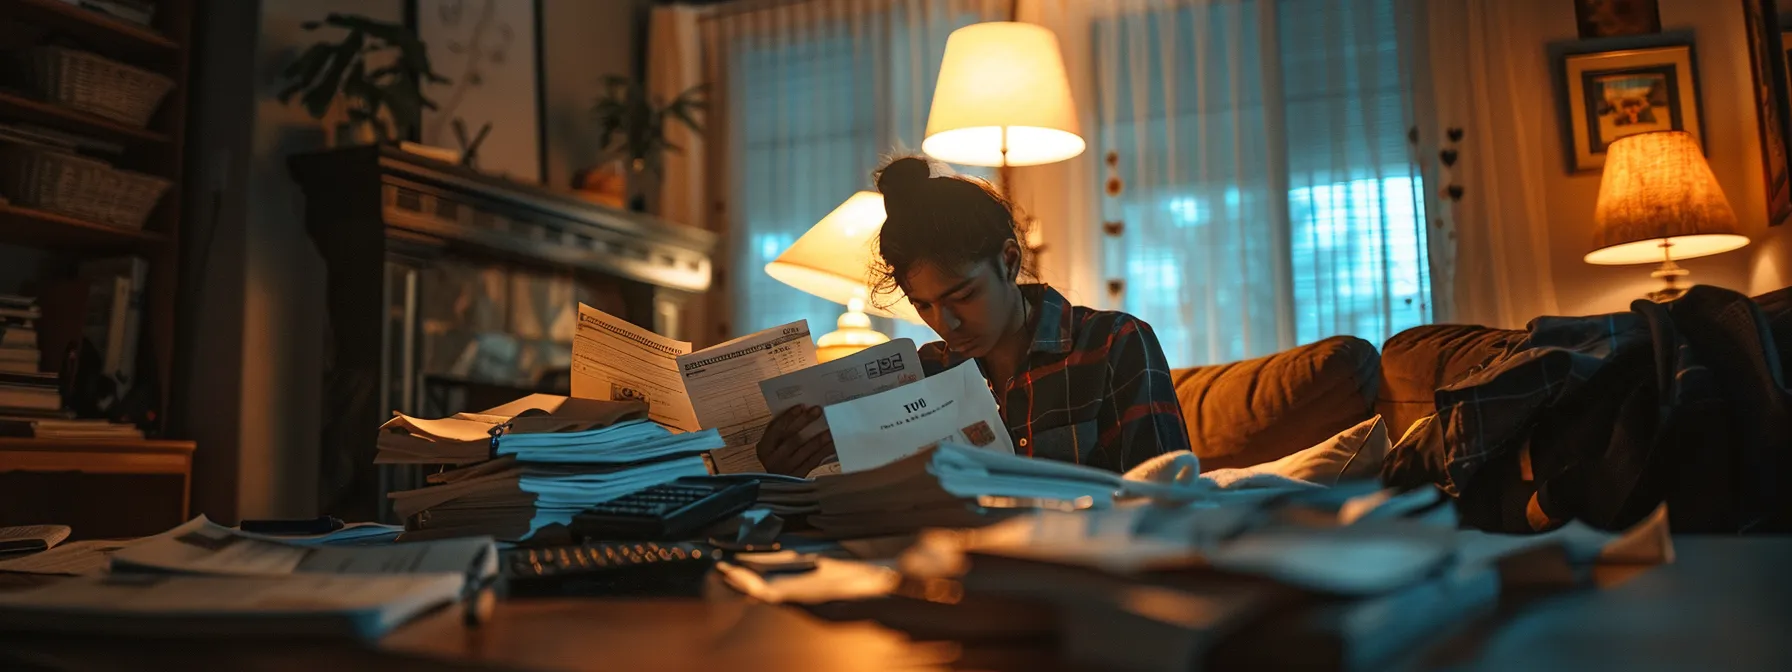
pixel 1052 333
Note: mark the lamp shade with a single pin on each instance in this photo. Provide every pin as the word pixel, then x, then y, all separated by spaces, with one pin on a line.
pixel 1002 86
pixel 833 259
pixel 1658 200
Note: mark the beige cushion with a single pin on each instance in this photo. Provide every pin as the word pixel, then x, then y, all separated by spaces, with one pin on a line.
pixel 1354 454
pixel 1260 410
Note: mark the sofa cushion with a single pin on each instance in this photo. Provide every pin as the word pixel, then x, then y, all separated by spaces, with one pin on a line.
pixel 1415 362
pixel 1263 409
pixel 1354 454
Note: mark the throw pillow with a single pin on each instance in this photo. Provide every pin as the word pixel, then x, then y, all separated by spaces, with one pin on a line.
pixel 1354 454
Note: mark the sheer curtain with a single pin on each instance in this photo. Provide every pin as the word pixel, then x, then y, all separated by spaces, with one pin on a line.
pixel 812 96
pixel 1254 185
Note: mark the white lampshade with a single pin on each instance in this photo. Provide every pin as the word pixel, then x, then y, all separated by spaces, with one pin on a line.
pixel 833 259
pixel 1658 201
pixel 1002 86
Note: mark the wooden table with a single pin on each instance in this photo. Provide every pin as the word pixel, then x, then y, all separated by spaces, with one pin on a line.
pixel 104 456
pixel 1724 605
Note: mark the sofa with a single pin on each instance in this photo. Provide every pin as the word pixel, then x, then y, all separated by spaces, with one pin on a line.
pixel 1258 410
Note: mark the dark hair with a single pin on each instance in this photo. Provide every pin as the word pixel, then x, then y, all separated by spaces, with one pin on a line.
pixel 947 221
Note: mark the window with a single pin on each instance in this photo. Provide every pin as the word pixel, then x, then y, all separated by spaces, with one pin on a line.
pixel 818 99
pixel 1269 197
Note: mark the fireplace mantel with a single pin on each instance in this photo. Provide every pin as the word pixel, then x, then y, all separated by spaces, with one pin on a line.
pixel 428 202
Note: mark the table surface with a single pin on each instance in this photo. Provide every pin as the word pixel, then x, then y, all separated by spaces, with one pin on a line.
pixel 1725 604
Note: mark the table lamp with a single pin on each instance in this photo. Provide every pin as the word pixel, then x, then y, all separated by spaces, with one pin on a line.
pixel 1659 202
pixel 1003 99
pixel 833 261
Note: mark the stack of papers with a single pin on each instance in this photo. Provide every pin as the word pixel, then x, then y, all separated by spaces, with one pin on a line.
pixel 511 500
pixel 952 485
pixel 361 606
pixel 534 462
pixel 203 579
pixel 560 423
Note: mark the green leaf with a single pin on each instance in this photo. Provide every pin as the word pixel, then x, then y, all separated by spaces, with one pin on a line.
pixel 317 100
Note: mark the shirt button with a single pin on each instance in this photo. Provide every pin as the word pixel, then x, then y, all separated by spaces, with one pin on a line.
pixel 1023 443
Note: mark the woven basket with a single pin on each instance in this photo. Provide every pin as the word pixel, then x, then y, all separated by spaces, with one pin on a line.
pixel 92 83
pixel 57 181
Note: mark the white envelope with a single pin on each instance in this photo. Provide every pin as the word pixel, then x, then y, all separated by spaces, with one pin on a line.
pixel 955 405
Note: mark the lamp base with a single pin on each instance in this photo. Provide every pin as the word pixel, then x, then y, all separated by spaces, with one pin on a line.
pixel 1670 273
pixel 854 333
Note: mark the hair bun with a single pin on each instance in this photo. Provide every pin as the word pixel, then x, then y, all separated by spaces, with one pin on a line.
pixel 903 175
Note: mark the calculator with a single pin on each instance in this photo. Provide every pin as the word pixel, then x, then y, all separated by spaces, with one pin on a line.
pixel 606 569
pixel 674 511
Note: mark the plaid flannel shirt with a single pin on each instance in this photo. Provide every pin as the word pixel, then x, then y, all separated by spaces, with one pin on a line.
pixel 1095 390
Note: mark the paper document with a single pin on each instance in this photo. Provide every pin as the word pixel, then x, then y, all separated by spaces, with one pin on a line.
pixel 860 374
pixel 723 381
pixel 289 606
pixel 953 406
pixel 613 360
pixel 79 558
pixel 737 460
pixel 203 547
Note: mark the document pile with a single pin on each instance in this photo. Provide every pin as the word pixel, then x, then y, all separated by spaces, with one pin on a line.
pixel 203 579
pixel 533 462
pixel 953 485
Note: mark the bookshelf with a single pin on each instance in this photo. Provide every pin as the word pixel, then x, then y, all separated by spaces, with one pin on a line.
pixel 62 242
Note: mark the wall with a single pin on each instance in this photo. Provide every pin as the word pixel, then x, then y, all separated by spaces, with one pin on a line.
pixel 255 321
pixel 1731 142
pixel 582 42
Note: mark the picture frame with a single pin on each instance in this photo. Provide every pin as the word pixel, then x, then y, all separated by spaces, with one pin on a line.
pixel 1773 108
pixel 1614 18
pixel 1613 94
pixel 490 50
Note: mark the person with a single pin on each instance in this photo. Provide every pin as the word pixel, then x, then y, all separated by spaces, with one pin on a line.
pixel 1073 383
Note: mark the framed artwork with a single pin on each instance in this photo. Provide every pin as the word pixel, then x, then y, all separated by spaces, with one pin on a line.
pixel 1767 64
pixel 1613 18
pixel 1617 93
pixel 490 51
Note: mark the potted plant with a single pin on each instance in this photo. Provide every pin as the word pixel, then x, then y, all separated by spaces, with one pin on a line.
pixel 632 129
pixel 327 69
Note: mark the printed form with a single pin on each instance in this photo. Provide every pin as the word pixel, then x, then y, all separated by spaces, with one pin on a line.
pixel 723 381
pixel 866 372
pixel 952 406
pixel 617 361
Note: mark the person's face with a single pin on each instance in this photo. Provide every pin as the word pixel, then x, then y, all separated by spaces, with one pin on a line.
pixel 972 306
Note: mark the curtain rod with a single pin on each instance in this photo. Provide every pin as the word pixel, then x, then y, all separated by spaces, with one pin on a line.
pixel 742 7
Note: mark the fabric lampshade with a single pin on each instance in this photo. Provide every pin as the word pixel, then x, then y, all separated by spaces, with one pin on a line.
pixel 1658 200
pixel 833 259
pixel 1002 86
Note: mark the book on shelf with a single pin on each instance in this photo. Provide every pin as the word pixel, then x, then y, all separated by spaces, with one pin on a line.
pixel 32 378
pixel 114 317
pixel 30 397
pixel 18 337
